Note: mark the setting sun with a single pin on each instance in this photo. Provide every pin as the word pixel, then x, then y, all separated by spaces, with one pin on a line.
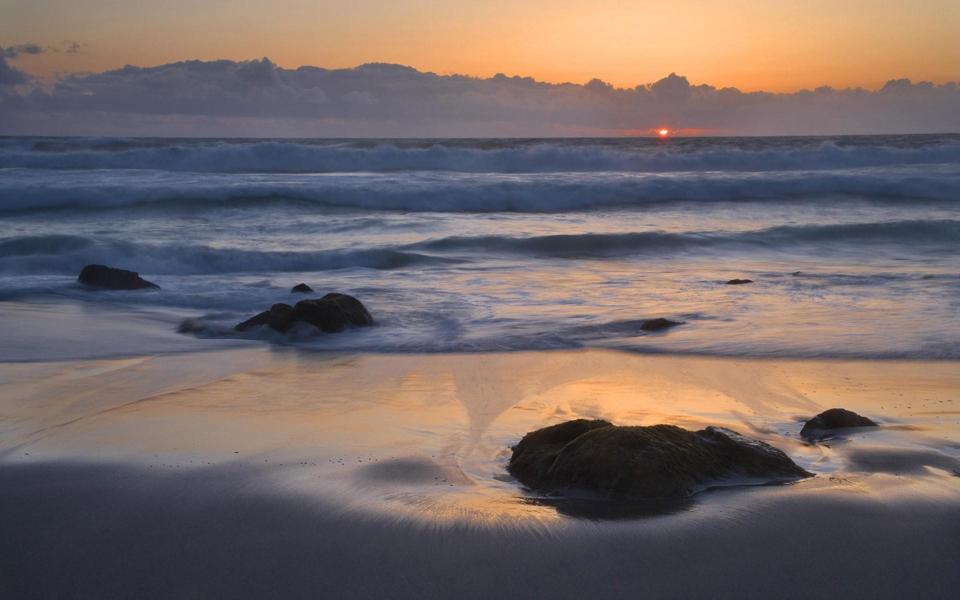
pixel 663 132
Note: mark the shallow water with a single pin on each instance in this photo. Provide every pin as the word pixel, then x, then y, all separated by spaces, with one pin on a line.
pixel 485 245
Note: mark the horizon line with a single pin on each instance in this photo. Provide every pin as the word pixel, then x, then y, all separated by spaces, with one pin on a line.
pixel 482 138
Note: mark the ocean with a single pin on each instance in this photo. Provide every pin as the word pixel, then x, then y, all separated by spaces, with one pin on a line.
pixel 852 243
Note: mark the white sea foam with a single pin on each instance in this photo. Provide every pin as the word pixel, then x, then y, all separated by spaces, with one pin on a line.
pixel 537 156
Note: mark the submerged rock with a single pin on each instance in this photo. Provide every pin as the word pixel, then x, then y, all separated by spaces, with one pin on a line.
pixel 659 461
pixel 835 418
pixel 330 314
pixel 113 279
pixel 739 281
pixel 301 288
pixel 279 317
pixel 658 324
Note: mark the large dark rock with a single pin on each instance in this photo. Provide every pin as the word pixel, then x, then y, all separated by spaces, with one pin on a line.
pixel 659 461
pixel 658 324
pixel 352 309
pixel 739 281
pixel 332 313
pixel 325 316
pixel 835 418
pixel 301 288
pixel 113 279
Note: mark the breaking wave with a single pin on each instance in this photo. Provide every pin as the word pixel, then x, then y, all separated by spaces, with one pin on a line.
pixel 67 253
pixel 23 189
pixel 600 245
pixel 504 156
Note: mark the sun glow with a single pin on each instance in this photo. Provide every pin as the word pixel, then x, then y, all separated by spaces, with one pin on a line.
pixel 663 132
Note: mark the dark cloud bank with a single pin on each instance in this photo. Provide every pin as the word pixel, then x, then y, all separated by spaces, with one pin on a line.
pixel 258 98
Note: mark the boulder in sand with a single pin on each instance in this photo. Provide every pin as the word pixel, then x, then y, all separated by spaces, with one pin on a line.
pixel 644 462
pixel 835 418
pixel 332 313
pixel 301 288
pixel 739 281
pixel 658 324
pixel 113 279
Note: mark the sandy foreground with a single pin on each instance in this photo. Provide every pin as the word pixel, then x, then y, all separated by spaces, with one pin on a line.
pixel 259 472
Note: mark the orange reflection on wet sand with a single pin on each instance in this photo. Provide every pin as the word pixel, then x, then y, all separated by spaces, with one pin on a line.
pixel 429 435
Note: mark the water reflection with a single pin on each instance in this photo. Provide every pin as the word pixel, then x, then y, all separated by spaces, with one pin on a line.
pixel 429 436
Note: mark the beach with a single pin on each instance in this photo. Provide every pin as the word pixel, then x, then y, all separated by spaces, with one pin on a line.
pixel 156 444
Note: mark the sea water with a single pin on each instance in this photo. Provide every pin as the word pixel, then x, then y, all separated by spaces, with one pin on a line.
pixel 852 243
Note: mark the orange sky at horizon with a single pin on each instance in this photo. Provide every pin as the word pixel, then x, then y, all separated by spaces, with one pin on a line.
pixel 774 46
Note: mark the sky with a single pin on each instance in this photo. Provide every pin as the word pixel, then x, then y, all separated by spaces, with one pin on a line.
pixel 58 54
pixel 781 45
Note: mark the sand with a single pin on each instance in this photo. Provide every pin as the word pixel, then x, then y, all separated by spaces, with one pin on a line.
pixel 273 472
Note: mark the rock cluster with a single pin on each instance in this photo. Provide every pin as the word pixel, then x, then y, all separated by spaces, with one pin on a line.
pixel 330 314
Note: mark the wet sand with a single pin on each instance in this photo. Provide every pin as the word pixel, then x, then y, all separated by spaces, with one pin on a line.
pixel 279 473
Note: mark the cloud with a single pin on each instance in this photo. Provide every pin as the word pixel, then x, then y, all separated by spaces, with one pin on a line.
pixel 15 51
pixel 260 98
pixel 29 49
pixel 10 76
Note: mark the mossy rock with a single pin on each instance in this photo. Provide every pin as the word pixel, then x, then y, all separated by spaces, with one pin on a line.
pixel 658 461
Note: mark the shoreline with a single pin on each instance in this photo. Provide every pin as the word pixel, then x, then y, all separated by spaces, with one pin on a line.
pixel 50 328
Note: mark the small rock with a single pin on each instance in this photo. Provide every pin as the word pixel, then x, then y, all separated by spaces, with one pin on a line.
pixel 113 279
pixel 254 321
pixel 659 461
pixel 279 317
pixel 835 418
pixel 739 281
pixel 658 324
pixel 301 288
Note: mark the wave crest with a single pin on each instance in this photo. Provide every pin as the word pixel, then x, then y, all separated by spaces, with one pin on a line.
pixel 68 254
pixel 916 233
pixel 510 156
pixel 22 189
